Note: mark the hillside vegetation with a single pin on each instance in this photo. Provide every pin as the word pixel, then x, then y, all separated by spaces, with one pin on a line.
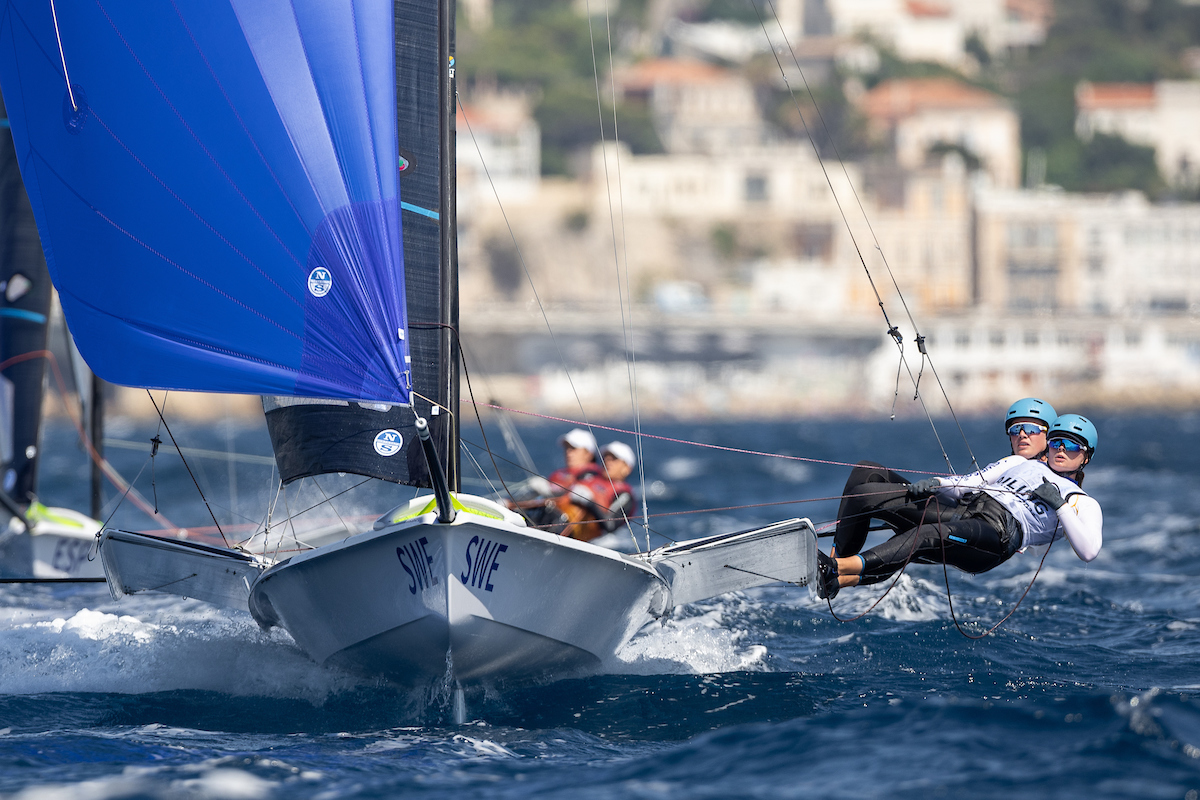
pixel 547 49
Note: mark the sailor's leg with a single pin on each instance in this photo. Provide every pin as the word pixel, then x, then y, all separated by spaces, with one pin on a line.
pixel 972 545
pixel 872 490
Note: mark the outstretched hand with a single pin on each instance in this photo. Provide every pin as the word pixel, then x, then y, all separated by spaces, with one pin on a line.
pixel 923 488
pixel 1049 494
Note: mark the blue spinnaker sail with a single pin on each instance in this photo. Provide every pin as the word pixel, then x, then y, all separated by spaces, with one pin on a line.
pixel 216 189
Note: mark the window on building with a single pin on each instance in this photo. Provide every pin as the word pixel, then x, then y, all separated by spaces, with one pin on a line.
pixel 1169 305
pixel 996 338
pixel 1032 339
pixel 1032 289
pixel 814 240
pixel 756 188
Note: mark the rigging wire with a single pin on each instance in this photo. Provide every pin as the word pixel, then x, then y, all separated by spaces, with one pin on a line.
pixel 553 337
pixel 1016 605
pixel 892 329
pixel 631 347
pixel 332 507
pixel 106 467
pixel 479 468
pixel 524 267
pixel 186 465
pixel 624 289
pixel 706 445
pixel 512 437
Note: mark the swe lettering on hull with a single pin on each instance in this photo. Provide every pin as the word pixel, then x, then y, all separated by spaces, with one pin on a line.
pixel 417 562
pixel 483 558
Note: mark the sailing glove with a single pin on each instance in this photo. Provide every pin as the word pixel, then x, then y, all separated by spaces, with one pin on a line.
pixel 1049 494
pixel 923 488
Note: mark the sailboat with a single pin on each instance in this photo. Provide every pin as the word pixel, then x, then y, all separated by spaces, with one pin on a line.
pixel 36 541
pixel 258 196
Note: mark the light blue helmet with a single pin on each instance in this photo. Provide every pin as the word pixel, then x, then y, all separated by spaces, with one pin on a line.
pixel 1073 426
pixel 1030 408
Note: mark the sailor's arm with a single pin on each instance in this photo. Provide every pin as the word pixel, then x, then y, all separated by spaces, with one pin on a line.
pixel 1083 523
pixel 953 487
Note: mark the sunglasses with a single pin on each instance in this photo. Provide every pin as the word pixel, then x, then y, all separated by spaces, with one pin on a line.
pixel 1066 444
pixel 1027 428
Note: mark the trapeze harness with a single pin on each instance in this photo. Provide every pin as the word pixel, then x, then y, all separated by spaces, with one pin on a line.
pixel 994 516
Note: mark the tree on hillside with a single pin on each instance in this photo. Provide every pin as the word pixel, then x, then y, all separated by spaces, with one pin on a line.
pixel 1103 41
pixel 547 47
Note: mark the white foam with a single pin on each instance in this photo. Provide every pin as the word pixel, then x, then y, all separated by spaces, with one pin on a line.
pixel 483 748
pixel 212 781
pixel 697 644
pixel 912 600
pixel 190 646
pixel 234 784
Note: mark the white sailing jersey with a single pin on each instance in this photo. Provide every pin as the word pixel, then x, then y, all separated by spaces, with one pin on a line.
pixel 1011 481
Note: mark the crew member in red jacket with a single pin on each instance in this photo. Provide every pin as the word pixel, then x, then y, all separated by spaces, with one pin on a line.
pixel 607 496
pixel 579 450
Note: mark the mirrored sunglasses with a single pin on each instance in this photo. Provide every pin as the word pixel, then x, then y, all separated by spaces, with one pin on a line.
pixel 1027 428
pixel 1066 444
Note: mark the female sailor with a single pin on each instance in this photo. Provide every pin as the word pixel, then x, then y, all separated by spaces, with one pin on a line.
pixel 874 492
pixel 1004 507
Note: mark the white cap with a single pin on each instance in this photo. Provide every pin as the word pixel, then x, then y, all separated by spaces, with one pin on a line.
pixel 579 439
pixel 621 451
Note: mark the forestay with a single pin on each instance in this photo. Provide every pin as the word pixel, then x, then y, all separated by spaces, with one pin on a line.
pixel 217 190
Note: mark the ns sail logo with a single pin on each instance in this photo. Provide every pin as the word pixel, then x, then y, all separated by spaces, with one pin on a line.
pixel 320 281
pixel 389 442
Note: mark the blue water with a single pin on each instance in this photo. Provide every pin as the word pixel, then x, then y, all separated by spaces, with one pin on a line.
pixel 1090 689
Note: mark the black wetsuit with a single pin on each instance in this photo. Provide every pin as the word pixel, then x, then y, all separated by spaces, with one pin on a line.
pixel 875 492
pixel 977 535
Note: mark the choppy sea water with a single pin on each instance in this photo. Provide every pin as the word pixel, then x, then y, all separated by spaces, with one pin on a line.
pixel 1090 689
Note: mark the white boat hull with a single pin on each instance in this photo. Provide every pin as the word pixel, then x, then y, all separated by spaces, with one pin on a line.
pixel 60 545
pixel 481 598
pixel 474 599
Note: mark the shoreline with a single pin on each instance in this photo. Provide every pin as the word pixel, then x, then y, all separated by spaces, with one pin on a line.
pixel 210 407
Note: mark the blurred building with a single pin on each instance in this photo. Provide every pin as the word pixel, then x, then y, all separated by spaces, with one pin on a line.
pixel 696 107
pixel 498 150
pixel 1103 255
pixel 919 115
pixel 1163 115
pixel 939 30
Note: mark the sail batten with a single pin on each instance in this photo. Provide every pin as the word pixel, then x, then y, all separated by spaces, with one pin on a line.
pixel 215 211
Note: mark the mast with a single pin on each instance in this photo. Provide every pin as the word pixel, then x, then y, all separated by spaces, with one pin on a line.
pixel 449 233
